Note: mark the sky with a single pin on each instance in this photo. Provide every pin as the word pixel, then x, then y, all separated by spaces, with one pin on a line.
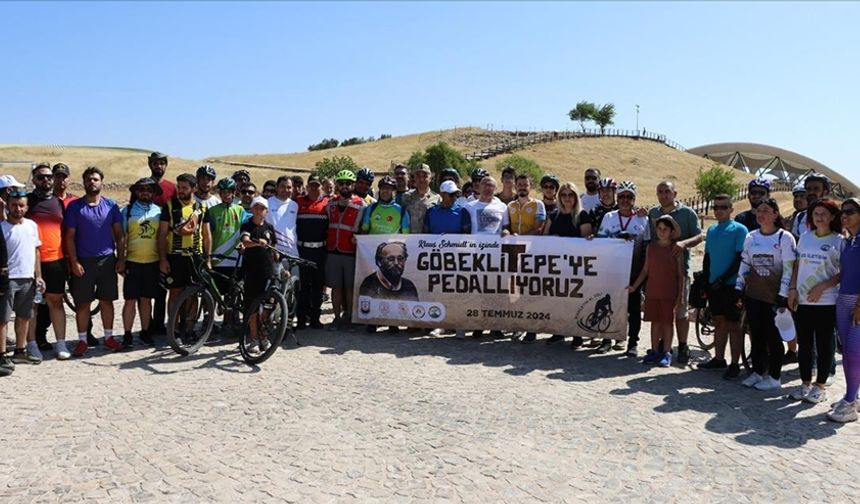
pixel 202 79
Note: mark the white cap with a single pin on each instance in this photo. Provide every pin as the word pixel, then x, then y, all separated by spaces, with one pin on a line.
pixel 785 323
pixel 259 200
pixel 9 181
pixel 449 187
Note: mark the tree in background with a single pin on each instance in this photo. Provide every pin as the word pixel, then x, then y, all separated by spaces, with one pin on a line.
pixel 326 143
pixel 439 156
pixel 716 180
pixel 583 112
pixel 604 116
pixel 328 168
pixel 522 165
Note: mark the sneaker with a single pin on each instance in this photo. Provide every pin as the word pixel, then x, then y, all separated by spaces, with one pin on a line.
pixel 666 360
pixel 594 343
pixel 800 392
pixel 80 349
pixel 632 351
pixel 437 332
pixel 555 338
pixel 460 334
pixel 752 379
pixel 393 330
pixel 651 357
pixel 62 350
pixel 530 337
pixel 829 381
pixel 816 395
pixel 497 334
pixel 844 412
pixel 127 341
pixel 301 325
pixel 146 338
pixel 604 347
pixel 254 347
pixel 92 340
pixel 732 372
pixel 618 345
pixel 6 365
pixel 370 328
pixel 113 344
pixel 264 344
pixel 43 344
pixel 768 383
pixel 33 348
pixel 477 334
pixel 714 364
pixel 683 354
pixel 23 356
pixel 577 342
pixel 333 326
pixel 789 357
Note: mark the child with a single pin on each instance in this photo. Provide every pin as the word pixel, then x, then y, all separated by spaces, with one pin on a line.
pixel 259 261
pixel 663 292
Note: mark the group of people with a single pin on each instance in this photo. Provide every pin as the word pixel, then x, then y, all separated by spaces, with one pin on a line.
pixel 759 262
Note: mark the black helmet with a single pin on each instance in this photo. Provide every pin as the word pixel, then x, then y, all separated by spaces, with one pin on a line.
pixel 208 171
pixel 817 177
pixel 479 173
pixel 364 174
pixel 551 179
pixel 387 180
pixel 449 172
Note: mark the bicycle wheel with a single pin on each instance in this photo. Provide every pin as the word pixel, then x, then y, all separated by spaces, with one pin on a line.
pixel 271 316
pixel 234 317
pixel 191 319
pixel 603 323
pixel 747 350
pixel 67 298
pixel 705 328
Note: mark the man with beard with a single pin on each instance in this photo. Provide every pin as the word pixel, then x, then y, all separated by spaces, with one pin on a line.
pixel 816 186
pixel 364 185
pixel 527 216
pixel 758 190
pixel 388 281
pixel 509 176
pixel 205 181
pixel 140 223
pixel 311 229
pixel 47 211
pixel 590 198
pixel 182 232
pixel 344 219
pixel 418 200
pixel 242 177
pixel 93 240
pixel 225 222
pixel 166 190
pixel 61 184
pixel 269 189
pixel 401 176
pixel 590 221
pixel 298 187
pixel 798 194
pixel 247 193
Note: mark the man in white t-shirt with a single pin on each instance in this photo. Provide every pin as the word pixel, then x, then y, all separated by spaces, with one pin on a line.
pixel 282 215
pixel 205 184
pixel 21 237
pixel 487 214
pixel 625 223
pixel 590 199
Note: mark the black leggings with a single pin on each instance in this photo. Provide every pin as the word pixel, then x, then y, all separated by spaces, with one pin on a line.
pixel 815 324
pixel 767 346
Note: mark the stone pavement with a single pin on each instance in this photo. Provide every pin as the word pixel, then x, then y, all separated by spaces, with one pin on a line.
pixel 402 418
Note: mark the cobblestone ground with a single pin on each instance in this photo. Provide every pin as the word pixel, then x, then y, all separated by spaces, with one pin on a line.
pixel 358 417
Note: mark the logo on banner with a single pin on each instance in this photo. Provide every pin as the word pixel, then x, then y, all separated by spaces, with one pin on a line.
pixel 597 319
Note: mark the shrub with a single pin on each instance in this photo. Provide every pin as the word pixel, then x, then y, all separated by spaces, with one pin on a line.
pixel 716 180
pixel 327 143
pixel 328 168
pixel 522 165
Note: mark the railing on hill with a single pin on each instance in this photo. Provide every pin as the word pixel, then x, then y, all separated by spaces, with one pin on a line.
pixel 702 206
pixel 521 140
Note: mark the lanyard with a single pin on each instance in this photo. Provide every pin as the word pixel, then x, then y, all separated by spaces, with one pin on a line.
pixel 622 223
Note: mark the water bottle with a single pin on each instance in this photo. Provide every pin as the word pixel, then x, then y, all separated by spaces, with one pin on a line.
pixel 39 298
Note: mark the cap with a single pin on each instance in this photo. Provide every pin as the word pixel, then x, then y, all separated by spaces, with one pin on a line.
pixel 61 169
pixel 157 155
pixel 313 179
pixel 146 181
pixel 43 164
pixel 785 323
pixel 449 187
pixel 423 167
pixel 9 181
pixel 259 200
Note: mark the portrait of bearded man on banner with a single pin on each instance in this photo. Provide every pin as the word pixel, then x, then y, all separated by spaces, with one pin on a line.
pixel 388 282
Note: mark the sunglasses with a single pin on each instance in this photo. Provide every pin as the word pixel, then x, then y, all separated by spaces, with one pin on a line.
pixel 548 187
pixel 721 207
pixel 17 194
pixel 44 176
pixel 248 191
pixel 849 211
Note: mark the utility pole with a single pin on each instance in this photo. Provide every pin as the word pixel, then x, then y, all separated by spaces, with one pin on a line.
pixel 637 119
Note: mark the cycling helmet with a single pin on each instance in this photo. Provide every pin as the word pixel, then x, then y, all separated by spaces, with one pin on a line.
pixel 387 180
pixel 627 186
pixel 552 179
pixel 759 182
pixel 607 183
pixel 241 173
pixel 817 177
pixel 365 174
pixel 450 172
pixel 345 175
pixel 479 173
pixel 798 189
pixel 226 184
pixel 206 170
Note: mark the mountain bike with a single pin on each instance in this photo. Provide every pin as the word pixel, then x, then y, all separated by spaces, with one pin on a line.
pixel 705 332
pixel 272 313
pixel 192 316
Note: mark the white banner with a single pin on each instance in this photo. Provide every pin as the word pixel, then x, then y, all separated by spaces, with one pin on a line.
pixel 543 284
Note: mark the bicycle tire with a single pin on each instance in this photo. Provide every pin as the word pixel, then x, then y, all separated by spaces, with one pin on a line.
pixel 234 317
pixel 745 330
pixel 67 298
pixel 204 316
pixel 276 322
pixel 603 324
pixel 705 328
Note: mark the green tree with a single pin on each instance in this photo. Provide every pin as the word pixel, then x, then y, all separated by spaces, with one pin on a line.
pixel 584 111
pixel 604 116
pixel 327 143
pixel 328 168
pixel 417 158
pixel 716 180
pixel 522 165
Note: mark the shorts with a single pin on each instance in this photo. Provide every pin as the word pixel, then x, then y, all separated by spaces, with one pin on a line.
pixel 721 299
pixel 181 271
pixel 18 299
pixel 55 274
pixel 99 280
pixel 340 271
pixel 685 296
pixel 255 286
pixel 141 280
pixel 659 310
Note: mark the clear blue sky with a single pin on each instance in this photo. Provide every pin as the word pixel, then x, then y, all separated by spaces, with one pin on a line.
pixel 199 79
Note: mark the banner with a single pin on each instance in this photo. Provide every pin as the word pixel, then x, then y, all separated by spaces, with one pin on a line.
pixel 543 284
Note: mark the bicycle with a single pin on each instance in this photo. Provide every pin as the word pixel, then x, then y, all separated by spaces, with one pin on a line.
pixel 705 332
pixel 272 312
pixel 601 324
pixel 202 300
